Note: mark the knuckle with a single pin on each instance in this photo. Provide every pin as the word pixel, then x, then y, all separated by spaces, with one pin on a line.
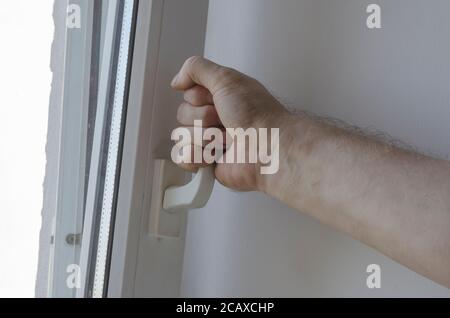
pixel 188 95
pixel 181 112
pixel 234 78
pixel 226 73
pixel 193 60
pixel 227 79
pixel 209 119
pixel 196 98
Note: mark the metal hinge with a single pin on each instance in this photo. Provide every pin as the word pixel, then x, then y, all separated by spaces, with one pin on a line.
pixel 73 239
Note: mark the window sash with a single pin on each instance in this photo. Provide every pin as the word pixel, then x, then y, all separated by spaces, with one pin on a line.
pixel 107 147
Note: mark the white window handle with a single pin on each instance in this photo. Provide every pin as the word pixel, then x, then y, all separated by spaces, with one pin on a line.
pixel 171 194
pixel 193 195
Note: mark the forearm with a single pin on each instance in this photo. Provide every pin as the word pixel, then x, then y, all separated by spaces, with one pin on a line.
pixel 393 200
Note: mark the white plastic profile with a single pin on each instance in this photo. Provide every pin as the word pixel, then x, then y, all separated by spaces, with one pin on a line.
pixel 193 195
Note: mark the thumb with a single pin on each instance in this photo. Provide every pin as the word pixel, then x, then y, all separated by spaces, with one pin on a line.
pixel 198 71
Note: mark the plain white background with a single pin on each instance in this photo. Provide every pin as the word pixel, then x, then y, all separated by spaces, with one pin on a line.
pixel 26 30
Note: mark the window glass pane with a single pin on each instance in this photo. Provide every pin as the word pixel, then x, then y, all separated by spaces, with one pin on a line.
pixel 104 180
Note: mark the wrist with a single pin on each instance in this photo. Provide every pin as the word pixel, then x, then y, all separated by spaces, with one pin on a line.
pixel 290 127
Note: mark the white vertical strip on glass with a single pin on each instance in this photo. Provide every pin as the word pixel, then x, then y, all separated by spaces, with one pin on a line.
pixel 113 151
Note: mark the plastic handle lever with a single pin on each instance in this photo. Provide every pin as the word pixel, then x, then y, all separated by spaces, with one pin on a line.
pixel 193 195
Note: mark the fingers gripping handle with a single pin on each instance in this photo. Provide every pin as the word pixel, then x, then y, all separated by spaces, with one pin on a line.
pixel 193 195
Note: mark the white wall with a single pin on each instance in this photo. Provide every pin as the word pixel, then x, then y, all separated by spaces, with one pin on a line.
pixel 318 55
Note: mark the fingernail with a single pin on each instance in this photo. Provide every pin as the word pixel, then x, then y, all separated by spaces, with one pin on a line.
pixel 175 80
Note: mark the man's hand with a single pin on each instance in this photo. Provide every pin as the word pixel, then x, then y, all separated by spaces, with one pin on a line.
pixel 225 98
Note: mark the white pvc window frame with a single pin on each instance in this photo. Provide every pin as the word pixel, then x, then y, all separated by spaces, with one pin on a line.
pixel 168 32
pixel 68 217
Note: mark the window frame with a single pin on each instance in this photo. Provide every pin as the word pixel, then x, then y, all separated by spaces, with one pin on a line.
pixel 168 32
pixel 107 98
pixel 68 215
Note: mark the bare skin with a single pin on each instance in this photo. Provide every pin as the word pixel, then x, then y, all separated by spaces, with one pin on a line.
pixel 391 199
